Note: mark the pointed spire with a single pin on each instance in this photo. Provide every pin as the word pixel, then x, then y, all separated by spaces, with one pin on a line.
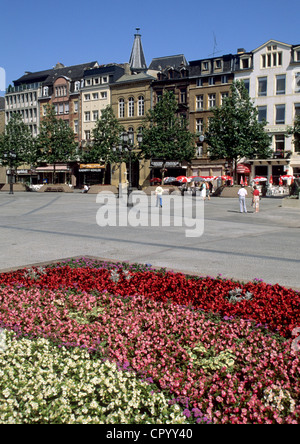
pixel 137 59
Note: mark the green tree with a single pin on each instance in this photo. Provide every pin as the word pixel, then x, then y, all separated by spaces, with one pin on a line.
pixel 17 145
pixel 105 138
pixel 295 132
pixel 234 131
pixel 56 141
pixel 165 134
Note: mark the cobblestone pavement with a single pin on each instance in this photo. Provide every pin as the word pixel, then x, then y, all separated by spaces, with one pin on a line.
pixel 39 227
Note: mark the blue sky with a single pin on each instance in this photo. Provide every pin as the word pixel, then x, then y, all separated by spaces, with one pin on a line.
pixel 37 35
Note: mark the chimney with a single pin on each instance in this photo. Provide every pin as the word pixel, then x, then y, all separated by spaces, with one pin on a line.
pixel 241 51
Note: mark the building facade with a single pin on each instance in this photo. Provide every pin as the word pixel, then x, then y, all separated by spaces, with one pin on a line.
pixel 209 84
pixel 272 75
pixel 131 98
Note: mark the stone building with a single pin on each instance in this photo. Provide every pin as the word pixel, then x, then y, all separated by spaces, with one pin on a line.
pixel 272 75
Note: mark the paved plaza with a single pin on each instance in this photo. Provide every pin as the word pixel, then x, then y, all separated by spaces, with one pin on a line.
pixel 40 227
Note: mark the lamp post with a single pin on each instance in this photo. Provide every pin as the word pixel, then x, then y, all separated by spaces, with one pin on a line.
pixel 10 155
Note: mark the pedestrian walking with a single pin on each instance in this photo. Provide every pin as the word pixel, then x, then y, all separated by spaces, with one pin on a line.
pixel 242 193
pixel 256 199
pixel 207 190
pixel 159 192
pixel 203 191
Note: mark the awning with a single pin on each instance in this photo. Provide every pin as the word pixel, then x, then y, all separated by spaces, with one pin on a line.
pixel 243 169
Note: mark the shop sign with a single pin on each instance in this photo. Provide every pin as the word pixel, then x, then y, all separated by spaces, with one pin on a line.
pixel 90 167
pixel 168 164
pixel 23 171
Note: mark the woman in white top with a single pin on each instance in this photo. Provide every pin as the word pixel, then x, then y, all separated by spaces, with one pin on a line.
pixel 242 199
pixel 203 191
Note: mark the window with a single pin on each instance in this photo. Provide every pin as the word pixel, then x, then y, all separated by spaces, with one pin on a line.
pixel 96 81
pixel 211 100
pixel 87 116
pixel 245 63
pixel 297 109
pixel 223 97
pixel 88 82
pixel 262 86
pixel 211 81
pixel 76 126
pixel 297 82
pixel 121 108
pixel 130 107
pixel 205 66
pixel 199 126
pixel 76 86
pixel 218 64
pixel 44 110
pixel 272 59
pixel 279 143
pixel 67 108
pixel 280 114
pixel 262 113
pixel 61 108
pixel 280 84
pixel 87 97
pixel 199 82
pixel 95 96
pixel 247 84
pixel 76 107
pixel 104 95
pixel 224 79
pixel 95 115
pixel 199 102
pixel 183 95
pixel 141 106
pixel 45 91
pixel 87 135
pixel 104 79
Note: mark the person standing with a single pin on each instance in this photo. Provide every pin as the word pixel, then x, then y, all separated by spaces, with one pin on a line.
pixel 242 193
pixel 159 192
pixel 256 198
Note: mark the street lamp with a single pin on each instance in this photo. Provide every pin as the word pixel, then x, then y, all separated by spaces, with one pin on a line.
pixel 10 155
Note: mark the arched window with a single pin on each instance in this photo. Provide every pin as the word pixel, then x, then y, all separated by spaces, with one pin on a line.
pixel 141 106
pixel 130 107
pixel 121 108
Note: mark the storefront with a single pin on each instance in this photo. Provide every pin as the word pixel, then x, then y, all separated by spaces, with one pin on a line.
pixel 59 173
pixel 27 176
pixel 172 168
pixel 90 174
pixel 270 168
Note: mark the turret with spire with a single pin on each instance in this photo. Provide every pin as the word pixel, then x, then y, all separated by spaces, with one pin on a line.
pixel 137 60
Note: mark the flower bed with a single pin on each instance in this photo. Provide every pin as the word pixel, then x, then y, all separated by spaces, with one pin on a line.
pixel 221 350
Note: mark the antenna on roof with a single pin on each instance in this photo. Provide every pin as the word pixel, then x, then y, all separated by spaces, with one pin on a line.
pixel 215 47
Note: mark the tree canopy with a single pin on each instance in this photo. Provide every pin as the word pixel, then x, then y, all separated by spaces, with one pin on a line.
pixel 56 140
pixel 105 137
pixel 295 132
pixel 234 131
pixel 17 139
pixel 165 134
